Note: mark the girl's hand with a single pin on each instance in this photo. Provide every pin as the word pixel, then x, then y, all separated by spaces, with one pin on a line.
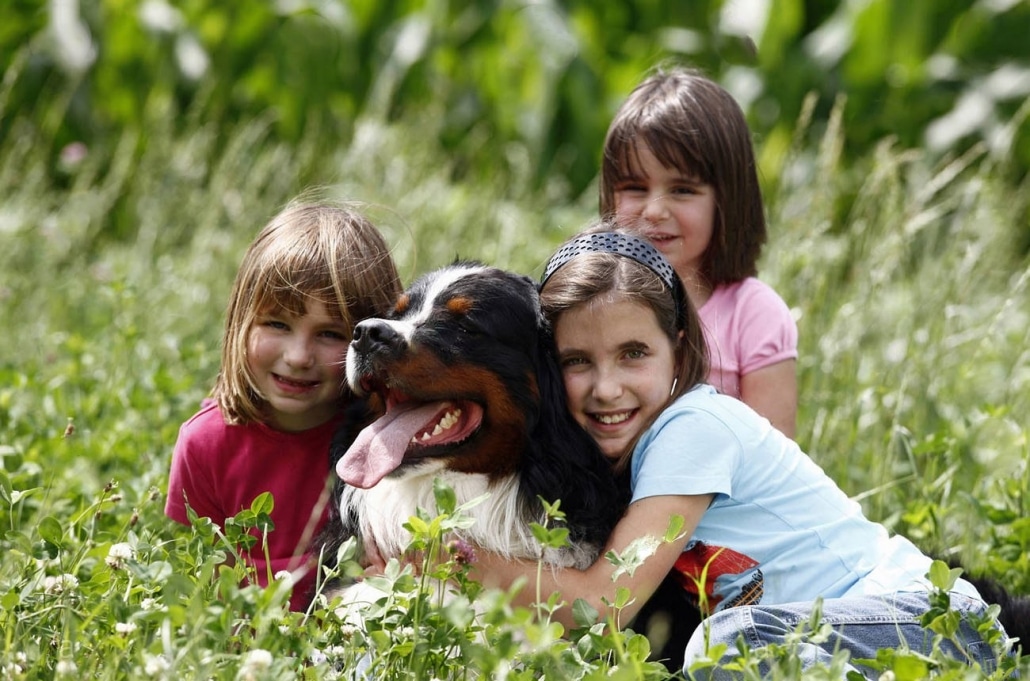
pixel 373 562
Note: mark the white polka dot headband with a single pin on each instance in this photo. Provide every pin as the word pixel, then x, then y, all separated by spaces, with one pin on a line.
pixel 625 245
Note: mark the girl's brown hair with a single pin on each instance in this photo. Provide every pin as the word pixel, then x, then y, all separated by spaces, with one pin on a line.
pixel 607 276
pixel 309 251
pixel 691 124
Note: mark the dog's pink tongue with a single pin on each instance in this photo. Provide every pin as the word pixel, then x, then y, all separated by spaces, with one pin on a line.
pixel 380 447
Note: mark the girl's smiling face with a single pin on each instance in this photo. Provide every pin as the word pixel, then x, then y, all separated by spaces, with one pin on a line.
pixel 678 211
pixel 618 366
pixel 297 364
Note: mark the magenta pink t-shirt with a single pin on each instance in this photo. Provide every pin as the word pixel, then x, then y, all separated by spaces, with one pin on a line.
pixel 220 469
pixel 748 327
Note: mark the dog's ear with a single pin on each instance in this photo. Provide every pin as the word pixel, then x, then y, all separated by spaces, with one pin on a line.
pixel 562 461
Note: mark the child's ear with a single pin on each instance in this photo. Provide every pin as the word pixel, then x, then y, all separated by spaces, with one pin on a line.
pixel 680 335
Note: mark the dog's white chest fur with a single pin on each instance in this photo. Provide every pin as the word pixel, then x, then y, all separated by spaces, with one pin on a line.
pixel 499 521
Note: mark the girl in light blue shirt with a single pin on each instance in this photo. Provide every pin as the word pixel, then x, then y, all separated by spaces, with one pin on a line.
pixel 766 533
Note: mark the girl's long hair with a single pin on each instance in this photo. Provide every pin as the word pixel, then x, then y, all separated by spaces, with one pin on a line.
pixel 691 124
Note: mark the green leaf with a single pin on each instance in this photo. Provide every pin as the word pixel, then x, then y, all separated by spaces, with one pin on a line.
pixel 18 495
pixel 909 667
pixel 446 499
pixel 583 613
pixel 263 504
pixel 623 597
pixel 417 526
pixel 942 576
pixel 672 533
pixel 51 532
pixel 638 646
pixel 5 487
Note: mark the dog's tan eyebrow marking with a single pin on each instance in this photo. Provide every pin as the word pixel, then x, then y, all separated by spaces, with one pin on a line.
pixel 402 303
pixel 459 305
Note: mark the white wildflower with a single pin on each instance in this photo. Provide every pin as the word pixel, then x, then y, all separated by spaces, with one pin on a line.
pixel 66 668
pixel 256 662
pixel 118 554
pixel 125 628
pixel 55 584
pixel 284 575
pixel 149 604
pixel 155 665
pixel 160 17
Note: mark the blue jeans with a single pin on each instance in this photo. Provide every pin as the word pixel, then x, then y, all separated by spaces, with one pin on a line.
pixel 861 625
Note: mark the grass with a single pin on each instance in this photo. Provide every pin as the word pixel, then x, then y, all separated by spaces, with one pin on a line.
pixel 905 273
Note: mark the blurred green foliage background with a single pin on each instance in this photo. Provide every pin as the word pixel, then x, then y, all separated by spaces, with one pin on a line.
pixel 521 89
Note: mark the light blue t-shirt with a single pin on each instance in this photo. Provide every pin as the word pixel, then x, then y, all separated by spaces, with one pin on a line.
pixel 778 530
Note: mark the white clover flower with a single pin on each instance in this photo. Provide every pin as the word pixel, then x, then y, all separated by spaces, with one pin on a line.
pixel 335 651
pixel 56 584
pixel 149 604
pixel 257 661
pixel 118 554
pixel 155 665
pixel 284 575
pixel 125 628
pixel 66 668
pixel 318 657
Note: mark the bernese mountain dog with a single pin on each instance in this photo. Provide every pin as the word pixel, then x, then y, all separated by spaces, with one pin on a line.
pixel 464 373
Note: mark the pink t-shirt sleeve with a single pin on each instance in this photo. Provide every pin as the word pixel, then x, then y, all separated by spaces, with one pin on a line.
pixel 748 327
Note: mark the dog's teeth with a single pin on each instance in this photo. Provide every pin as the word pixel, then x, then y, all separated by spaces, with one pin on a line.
pixel 446 422
pixel 450 418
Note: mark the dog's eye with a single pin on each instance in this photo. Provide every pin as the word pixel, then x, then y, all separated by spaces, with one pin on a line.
pixel 467 327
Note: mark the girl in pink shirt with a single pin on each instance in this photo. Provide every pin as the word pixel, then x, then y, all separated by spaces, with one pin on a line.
pixel 312 273
pixel 678 164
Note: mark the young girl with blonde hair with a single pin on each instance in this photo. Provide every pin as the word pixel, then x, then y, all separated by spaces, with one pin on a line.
pixel 312 273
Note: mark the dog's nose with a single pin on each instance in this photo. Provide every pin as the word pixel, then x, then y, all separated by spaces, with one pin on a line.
pixel 376 335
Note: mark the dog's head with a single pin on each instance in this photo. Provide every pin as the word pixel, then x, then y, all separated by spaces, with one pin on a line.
pixel 465 369
pixel 457 366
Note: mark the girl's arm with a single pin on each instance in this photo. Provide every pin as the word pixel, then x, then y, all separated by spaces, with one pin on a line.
pixel 647 517
pixel 772 391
